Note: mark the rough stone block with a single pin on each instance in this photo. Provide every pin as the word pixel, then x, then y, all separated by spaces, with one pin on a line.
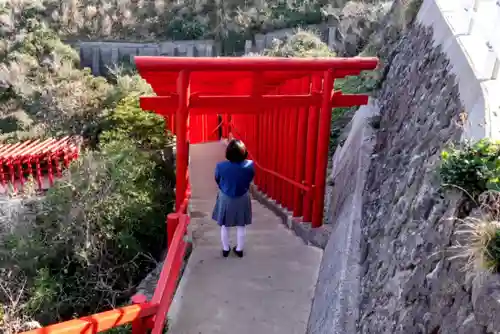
pixel 148 51
pixel 260 42
pixel 317 237
pixel 127 54
pixel 248 46
pixel 96 61
pixel 85 56
pixel 106 61
pixel 167 49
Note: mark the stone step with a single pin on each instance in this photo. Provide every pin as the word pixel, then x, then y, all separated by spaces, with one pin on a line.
pixel 268 291
pixel 258 237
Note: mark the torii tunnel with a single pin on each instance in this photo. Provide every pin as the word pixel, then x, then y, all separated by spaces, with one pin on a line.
pixel 280 107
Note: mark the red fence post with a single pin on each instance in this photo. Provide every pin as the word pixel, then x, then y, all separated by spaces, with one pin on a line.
pixel 287 130
pixel 181 133
pixel 172 222
pixel 312 140
pixel 292 155
pixel 12 175
pixel 39 179
pixel 300 162
pixel 139 325
pixel 264 142
pixel 20 173
pixel 322 155
pixel 2 174
pixel 278 155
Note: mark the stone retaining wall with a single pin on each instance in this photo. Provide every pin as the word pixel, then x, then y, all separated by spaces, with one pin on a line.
pixel 390 270
pixel 335 306
pixel 100 57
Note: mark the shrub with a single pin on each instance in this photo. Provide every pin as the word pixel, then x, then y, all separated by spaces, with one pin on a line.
pixel 84 246
pixel 128 120
pixel 41 84
pixel 482 246
pixel 301 44
pixel 158 19
pixel 365 83
pixel 96 234
pixel 474 167
pixel 479 237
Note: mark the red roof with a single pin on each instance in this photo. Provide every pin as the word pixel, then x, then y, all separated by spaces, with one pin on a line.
pixel 37 148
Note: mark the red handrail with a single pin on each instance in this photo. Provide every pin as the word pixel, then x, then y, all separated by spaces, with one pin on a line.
pixel 101 321
pixel 169 276
pixel 278 175
pixel 144 314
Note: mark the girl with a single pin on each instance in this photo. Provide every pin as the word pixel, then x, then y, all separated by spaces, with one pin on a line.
pixel 233 206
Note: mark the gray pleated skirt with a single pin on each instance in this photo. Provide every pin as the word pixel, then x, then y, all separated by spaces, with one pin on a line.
pixel 231 212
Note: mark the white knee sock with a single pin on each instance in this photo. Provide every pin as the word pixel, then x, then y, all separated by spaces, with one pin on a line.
pixel 240 237
pixel 224 238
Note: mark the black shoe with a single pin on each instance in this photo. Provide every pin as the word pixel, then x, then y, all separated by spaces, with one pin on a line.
pixel 237 252
pixel 225 253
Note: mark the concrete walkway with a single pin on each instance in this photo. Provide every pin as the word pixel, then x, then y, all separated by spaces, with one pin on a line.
pixel 268 291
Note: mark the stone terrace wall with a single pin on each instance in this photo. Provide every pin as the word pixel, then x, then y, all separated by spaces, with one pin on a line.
pixel 102 56
pixel 335 306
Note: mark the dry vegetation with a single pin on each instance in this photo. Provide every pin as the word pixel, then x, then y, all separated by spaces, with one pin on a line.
pixel 479 236
pixel 474 169
pixel 85 245
pixel 162 19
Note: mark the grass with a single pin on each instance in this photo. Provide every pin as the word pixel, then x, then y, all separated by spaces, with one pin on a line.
pixel 479 237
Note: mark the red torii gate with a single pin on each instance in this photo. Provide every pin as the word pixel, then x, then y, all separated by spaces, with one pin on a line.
pixel 277 97
pixel 35 158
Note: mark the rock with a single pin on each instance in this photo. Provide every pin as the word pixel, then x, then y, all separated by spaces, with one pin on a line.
pixel 486 301
pixel 470 326
pixel 30 325
pixel 408 283
pixel 355 24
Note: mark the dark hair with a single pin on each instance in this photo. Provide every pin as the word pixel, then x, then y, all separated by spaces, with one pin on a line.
pixel 236 151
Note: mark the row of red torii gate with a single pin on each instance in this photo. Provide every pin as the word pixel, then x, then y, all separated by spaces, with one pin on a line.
pixel 280 107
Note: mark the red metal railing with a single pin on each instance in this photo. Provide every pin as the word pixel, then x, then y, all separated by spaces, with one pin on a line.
pixel 144 315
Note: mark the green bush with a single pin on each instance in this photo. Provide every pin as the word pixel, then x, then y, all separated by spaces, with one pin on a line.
pixel 96 234
pixel 83 247
pixel 159 19
pixel 302 44
pixel 493 251
pixel 474 167
pixel 128 120
pixel 186 27
pixel 45 90
pixel 297 13
pixel 365 83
